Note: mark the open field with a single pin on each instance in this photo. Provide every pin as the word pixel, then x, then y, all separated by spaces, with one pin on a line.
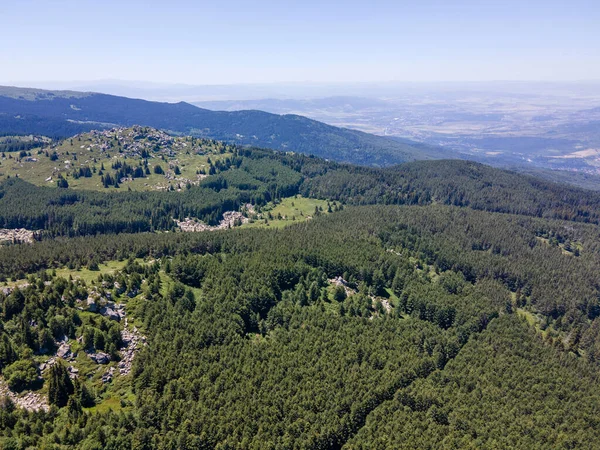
pixel 288 211
pixel 87 275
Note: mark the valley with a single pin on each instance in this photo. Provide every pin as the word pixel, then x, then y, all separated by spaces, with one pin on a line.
pixel 550 129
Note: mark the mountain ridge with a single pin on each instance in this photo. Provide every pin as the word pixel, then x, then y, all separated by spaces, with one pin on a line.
pixel 65 113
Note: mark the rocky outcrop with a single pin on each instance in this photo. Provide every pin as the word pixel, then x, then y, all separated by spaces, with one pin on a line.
pixel 100 357
pixel 31 401
pixel 64 351
pixel 18 235
pixel 132 342
pixel 193 225
pixel 113 311
pixel 91 305
pixel 339 281
pixel 230 219
pixel 108 375
pixel 386 304
pixel 6 290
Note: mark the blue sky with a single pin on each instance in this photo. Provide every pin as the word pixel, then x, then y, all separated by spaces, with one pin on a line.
pixel 220 42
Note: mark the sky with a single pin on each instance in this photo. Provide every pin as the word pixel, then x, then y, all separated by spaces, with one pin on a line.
pixel 264 41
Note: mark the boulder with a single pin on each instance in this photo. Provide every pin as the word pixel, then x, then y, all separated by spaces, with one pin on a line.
pixel 100 358
pixel 91 305
pixel 111 314
pixel 64 351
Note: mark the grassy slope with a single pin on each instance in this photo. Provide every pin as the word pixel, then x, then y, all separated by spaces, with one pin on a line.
pixel 43 167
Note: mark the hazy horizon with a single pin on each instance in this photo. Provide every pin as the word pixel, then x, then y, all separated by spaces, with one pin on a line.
pixel 175 92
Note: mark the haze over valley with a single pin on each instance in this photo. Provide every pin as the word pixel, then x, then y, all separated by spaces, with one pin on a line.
pixel 525 124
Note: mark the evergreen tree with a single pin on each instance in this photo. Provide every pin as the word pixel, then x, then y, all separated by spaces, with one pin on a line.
pixel 60 386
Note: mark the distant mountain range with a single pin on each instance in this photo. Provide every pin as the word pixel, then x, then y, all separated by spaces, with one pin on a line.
pixel 65 113
pixel 340 104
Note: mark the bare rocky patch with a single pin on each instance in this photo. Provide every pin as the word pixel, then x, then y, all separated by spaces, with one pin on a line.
pixel 31 401
pixel 230 219
pixel 18 235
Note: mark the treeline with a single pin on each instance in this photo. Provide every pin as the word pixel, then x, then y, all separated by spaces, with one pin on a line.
pixel 259 176
pixel 19 144
pixel 450 182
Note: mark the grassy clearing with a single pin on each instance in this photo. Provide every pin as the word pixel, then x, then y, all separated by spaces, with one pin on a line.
pixel 83 274
pixel 534 321
pixel 109 267
pixel 566 248
pixel 117 400
pixel 288 211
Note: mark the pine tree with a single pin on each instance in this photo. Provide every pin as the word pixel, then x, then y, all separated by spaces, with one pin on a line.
pixel 339 294
pixel 60 385
pixel 398 283
pixel 74 408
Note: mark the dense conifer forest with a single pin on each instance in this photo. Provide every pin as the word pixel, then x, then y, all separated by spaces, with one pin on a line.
pixel 429 305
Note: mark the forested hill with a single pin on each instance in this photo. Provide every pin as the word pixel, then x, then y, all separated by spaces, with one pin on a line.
pixel 458 183
pixel 65 113
pixel 238 176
